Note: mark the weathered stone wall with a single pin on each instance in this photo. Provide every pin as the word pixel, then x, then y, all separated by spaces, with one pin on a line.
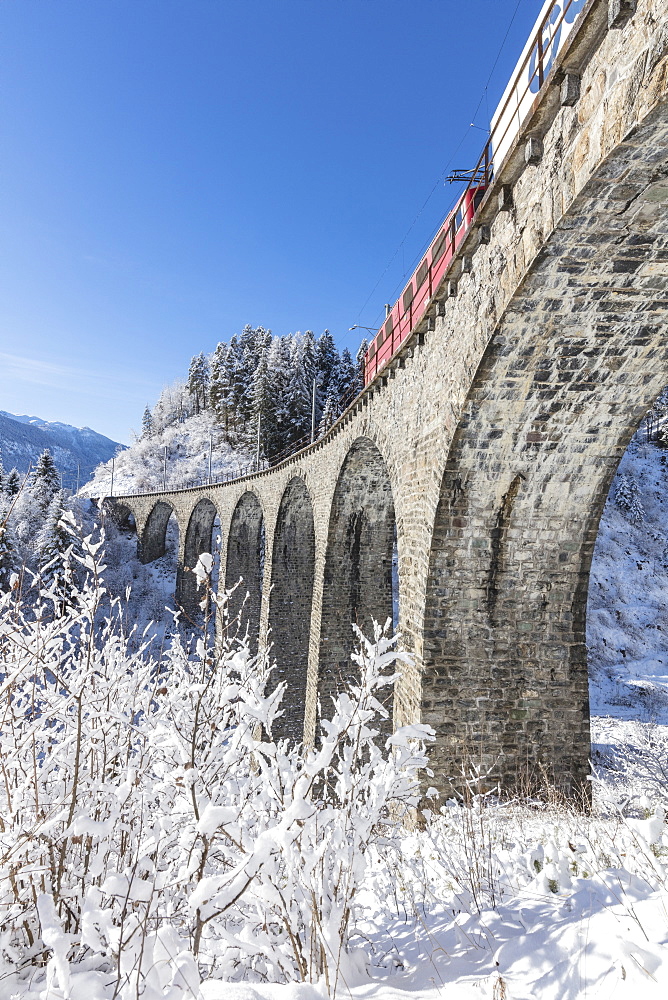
pixel 498 428
pixel 245 559
pixel 357 585
pixel 290 600
pixel 198 539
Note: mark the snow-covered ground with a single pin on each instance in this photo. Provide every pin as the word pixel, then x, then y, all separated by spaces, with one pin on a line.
pixel 501 901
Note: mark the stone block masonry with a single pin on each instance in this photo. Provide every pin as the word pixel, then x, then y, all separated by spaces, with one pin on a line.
pixel 491 448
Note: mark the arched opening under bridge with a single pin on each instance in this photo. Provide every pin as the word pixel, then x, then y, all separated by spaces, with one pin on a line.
pixel 550 412
pixel 151 545
pixel 627 613
pixel 199 539
pixel 290 603
pixel 245 563
pixel 359 574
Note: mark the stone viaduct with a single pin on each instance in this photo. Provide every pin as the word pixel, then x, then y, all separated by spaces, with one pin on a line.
pixel 488 445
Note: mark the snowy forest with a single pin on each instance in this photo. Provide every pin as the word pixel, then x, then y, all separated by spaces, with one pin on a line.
pixel 205 425
pixel 260 378
pixel 34 537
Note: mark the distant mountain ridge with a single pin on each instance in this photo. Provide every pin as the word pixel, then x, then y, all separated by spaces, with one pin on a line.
pixel 77 451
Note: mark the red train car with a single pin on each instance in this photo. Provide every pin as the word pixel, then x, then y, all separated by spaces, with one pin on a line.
pixel 555 22
pixel 410 307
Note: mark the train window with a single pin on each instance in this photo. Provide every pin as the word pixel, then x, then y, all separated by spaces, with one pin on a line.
pixel 389 327
pixel 408 296
pixel 459 218
pixel 477 198
pixel 421 274
pixel 439 247
pixel 380 339
pixel 371 352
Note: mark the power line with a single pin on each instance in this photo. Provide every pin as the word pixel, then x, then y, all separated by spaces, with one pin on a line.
pixel 440 178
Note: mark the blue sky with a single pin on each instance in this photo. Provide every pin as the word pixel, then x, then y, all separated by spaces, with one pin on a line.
pixel 174 169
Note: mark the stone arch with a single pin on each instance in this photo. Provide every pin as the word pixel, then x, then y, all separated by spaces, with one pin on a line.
pixel 290 602
pixel 245 561
pixel 358 564
pixel 198 539
pixel 151 544
pixel 571 368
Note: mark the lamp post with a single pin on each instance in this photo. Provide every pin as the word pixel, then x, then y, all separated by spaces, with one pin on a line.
pixel 358 326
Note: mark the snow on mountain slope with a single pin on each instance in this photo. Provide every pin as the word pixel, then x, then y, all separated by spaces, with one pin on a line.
pixel 76 450
pixel 142 467
pixel 627 615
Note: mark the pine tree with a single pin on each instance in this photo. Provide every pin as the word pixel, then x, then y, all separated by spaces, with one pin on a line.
pixel 219 385
pixel 261 400
pixel 329 415
pixel 275 436
pixel 348 379
pixel 13 483
pixel 147 423
pixel 44 481
pixel 238 377
pixel 198 381
pixel 53 547
pixel 327 363
pixel 628 499
pixel 360 358
pixel 299 392
pixel 7 549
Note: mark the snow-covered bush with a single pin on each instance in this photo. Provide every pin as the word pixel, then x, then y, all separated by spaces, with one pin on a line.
pixel 627 498
pixel 152 830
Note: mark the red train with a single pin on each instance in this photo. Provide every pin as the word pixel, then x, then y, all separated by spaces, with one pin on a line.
pixel 409 308
pixel 555 23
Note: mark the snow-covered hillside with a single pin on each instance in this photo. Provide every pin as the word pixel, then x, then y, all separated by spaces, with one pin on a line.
pixel 627 617
pixel 175 456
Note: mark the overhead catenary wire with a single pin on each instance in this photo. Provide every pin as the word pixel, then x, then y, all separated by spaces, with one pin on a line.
pixel 437 184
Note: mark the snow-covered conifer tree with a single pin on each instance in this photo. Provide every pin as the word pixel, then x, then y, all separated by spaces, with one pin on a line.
pixel 628 499
pixel 13 483
pixel 53 544
pixel 147 423
pixel 279 368
pixel 348 378
pixel 238 375
pixel 198 381
pixel 327 363
pixel 44 481
pixel 299 393
pixel 261 400
pixel 329 414
pixel 7 548
pixel 219 385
